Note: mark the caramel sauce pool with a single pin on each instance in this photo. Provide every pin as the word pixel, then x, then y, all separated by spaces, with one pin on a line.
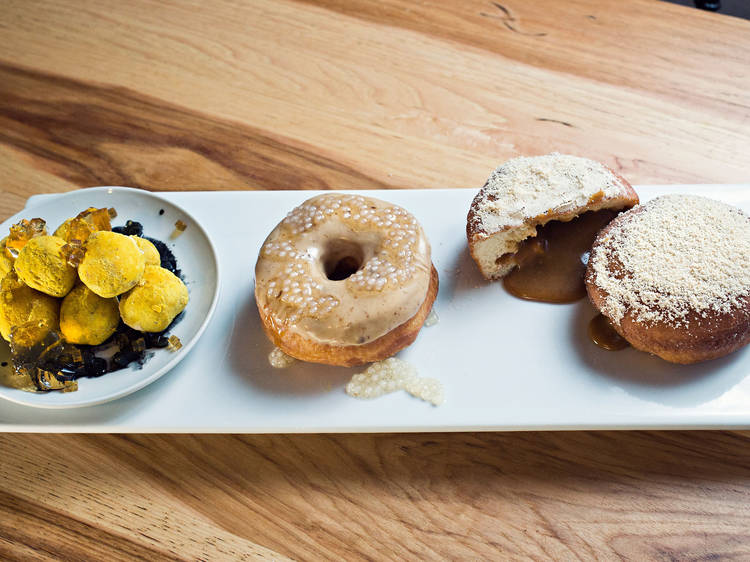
pixel 551 266
pixel 604 335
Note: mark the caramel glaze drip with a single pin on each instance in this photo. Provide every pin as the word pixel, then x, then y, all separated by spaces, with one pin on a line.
pixel 603 334
pixel 551 265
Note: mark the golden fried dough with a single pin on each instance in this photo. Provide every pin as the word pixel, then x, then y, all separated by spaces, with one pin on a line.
pixel 42 265
pixel 113 264
pixel 673 277
pixel 86 318
pixel 149 251
pixel 20 305
pixel 6 264
pixel 154 302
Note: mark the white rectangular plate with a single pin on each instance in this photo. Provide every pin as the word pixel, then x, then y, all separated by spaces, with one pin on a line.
pixel 506 364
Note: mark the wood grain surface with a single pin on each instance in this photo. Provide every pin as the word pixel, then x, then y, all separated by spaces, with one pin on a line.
pixel 179 95
pixel 561 496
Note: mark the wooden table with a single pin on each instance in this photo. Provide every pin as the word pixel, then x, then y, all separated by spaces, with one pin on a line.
pixel 351 94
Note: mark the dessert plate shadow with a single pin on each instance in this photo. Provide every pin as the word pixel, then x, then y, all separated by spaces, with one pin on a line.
pixel 196 258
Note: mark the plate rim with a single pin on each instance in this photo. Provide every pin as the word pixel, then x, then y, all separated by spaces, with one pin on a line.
pixel 170 364
pixel 129 420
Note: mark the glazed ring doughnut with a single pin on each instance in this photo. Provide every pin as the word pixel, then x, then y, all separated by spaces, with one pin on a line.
pixel 673 277
pixel 345 280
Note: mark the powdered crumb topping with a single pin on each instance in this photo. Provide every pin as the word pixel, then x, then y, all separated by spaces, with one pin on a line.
pixel 674 255
pixel 529 187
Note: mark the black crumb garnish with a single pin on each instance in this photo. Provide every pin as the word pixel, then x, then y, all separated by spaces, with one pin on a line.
pixel 129 345
pixel 168 261
pixel 161 211
pixel 131 228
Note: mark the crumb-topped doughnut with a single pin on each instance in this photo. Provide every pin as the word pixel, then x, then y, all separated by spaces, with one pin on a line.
pixel 345 280
pixel 528 192
pixel 673 277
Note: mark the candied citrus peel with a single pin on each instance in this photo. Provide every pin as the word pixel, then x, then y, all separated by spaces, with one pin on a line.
pixel 79 230
pixel 174 343
pixel 22 232
pixel 73 252
pixel 89 221
pixel 179 228
pixel 98 218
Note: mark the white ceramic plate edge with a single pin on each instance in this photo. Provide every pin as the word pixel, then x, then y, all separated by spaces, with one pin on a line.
pixel 424 419
pixel 30 204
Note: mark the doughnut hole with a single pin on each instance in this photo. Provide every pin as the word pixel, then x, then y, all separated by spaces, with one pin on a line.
pixel 341 259
pixel 20 306
pixel 149 250
pixel 42 265
pixel 86 318
pixel 155 301
pixel 113 264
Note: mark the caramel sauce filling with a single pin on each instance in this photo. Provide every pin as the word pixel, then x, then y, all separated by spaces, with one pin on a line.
pixel 551 265
pixel 603 334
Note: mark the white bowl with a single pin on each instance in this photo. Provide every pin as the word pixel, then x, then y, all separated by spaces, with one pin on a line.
pixel 196 257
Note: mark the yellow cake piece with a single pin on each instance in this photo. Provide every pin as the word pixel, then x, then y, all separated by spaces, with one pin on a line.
pixel 155 301
pixel 113 264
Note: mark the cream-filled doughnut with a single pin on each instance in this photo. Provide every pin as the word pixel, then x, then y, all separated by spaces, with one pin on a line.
pixel 345 280
pixel 673 277
pixel 528 192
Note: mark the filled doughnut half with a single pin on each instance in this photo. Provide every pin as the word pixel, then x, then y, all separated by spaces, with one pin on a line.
pixel 673 277
pixel 526 193
pixel 345 280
